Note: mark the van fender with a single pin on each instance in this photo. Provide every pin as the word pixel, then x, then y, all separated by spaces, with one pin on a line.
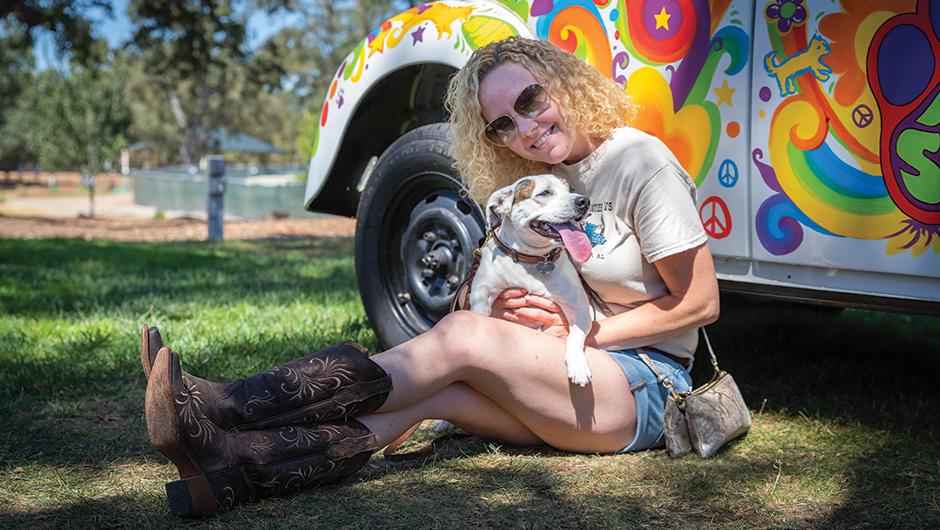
pixel 440 32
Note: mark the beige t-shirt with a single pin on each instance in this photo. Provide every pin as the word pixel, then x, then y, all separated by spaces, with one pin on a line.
pixel 642 210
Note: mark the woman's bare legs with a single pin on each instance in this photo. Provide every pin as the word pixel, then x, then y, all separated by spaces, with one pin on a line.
pixel 521 371
pixel 460 405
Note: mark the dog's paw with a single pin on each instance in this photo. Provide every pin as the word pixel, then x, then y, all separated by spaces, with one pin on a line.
pixel 579 372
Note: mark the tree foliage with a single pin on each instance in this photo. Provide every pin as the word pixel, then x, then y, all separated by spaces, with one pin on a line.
pixel 76 119
pixel 186 71
pixel 65 19
pixel 189 50
pixel 16 67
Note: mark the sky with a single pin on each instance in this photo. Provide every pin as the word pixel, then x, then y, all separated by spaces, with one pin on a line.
pixel 117 31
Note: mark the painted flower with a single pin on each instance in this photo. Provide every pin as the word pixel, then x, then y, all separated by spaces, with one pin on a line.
pixel 915 237
pixel 786 13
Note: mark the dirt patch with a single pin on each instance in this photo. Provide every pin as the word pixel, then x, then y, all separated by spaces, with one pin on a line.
pixel 170 229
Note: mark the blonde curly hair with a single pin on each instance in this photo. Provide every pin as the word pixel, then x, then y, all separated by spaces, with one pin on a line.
pixel 593 104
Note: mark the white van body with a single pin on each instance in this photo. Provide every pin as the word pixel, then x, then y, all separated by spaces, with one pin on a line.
pixel 811 132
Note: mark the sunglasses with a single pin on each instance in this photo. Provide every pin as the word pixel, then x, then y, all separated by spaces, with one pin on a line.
pixel 532 102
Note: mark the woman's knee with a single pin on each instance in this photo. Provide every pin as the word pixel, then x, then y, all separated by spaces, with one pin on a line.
pixel 465 337
pixel 459 326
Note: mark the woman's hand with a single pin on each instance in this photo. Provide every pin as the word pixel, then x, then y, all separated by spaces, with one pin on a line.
pixel 515 304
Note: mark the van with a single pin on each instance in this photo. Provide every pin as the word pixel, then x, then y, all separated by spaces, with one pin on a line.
pixel 810 127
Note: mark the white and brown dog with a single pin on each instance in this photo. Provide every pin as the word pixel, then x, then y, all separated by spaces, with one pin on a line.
pixel 534 222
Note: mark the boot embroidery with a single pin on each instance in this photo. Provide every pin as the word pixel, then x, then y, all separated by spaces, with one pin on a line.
pixel 307 437
pixel 329 374
pixel 228 499
pixel 190 402
pixel 305 476
pixel 266 399
pixel 271 484
pixel 261 447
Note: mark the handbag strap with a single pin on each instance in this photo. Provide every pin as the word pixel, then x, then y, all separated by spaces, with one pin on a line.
pixel 711 352
pixel 663 380
pixel 660 378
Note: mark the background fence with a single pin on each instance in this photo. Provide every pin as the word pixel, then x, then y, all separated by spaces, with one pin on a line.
pixel 277 191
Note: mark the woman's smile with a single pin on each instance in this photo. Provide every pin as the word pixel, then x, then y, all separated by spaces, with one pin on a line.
pixel 544 138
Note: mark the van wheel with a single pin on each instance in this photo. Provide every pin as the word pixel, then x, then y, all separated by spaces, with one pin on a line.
pixel 416 230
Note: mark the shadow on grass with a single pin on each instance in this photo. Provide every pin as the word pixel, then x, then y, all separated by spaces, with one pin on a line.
pixel 869 371
pixel 97 513
pixel 854 368
pixel 69 276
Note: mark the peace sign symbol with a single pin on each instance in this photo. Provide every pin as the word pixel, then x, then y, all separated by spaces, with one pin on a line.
pixel 862 116
pixel 715 217
pixel 728 173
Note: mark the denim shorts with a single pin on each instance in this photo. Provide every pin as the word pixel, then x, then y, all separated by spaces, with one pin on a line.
pixel 649 395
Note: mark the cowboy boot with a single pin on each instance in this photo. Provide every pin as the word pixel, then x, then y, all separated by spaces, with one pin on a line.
pixel 150 344
pixel 220 469
pixel 337 382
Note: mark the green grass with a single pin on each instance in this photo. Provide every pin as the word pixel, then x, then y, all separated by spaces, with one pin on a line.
pixel 845 428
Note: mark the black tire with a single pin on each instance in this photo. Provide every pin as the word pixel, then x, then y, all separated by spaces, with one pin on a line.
pixel 415 235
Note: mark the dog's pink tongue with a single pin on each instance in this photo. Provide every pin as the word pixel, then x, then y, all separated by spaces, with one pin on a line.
pixel 575 241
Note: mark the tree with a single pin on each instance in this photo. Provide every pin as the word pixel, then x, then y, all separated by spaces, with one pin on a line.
pixel 77 119
pixel 17 68
pixel 64 18
pixel 188 49
pixel 303 59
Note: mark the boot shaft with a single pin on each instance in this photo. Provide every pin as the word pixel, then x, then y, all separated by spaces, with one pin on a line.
pixel 335 383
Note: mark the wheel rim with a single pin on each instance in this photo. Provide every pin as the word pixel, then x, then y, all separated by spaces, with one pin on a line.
pixel 441 228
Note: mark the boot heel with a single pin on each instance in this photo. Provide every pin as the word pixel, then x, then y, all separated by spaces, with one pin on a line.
pixel 191 497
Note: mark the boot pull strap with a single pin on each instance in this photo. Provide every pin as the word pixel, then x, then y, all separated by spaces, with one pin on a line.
pixel 363 390
pixel 352 446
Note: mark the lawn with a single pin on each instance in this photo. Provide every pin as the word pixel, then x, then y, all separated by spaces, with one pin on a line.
pixel 846 428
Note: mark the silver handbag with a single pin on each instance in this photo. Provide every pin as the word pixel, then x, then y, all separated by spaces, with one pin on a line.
pixel 706 418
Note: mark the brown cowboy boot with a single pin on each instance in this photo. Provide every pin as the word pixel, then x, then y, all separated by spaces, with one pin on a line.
pixel 150 344
pixel 220 469
pixel 337 382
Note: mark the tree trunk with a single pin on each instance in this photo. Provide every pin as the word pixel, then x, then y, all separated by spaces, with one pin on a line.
pixel 182 125
pixel 91 195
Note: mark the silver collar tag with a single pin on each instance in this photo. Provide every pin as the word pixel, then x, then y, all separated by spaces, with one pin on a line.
pixel 545 267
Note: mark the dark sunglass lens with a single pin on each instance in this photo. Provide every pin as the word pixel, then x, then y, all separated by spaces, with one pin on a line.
pixel 532 101
pixel 501 131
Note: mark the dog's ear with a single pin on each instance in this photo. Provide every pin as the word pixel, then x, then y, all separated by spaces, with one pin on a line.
pixel 524 189
pixel 498 204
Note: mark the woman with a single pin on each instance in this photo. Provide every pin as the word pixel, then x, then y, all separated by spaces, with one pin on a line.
pixel 518 107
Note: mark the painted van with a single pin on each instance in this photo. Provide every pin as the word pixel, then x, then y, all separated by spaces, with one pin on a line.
pixel 811 128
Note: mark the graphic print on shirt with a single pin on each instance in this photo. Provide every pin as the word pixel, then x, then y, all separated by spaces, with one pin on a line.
pixel 595 233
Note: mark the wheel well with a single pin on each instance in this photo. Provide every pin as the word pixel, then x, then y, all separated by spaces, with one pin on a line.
pixel 402 101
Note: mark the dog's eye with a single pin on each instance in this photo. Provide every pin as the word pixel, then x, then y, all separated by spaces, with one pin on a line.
pixel 545 193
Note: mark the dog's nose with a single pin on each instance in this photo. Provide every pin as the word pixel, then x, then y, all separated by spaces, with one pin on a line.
pixel 582 203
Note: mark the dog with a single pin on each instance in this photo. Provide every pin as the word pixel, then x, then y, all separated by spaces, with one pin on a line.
pixel 534 221
pixel 808 60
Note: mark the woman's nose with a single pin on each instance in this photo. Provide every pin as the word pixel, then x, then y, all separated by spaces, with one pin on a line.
pixel 526 126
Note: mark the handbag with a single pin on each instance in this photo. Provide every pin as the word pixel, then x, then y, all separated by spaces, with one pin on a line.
pixel 706 418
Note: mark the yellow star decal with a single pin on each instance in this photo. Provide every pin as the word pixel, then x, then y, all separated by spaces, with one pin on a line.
pixel 662 19
pixel 724 93
pixel 377 44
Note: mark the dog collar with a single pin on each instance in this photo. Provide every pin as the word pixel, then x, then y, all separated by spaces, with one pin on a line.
pixel 525 258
